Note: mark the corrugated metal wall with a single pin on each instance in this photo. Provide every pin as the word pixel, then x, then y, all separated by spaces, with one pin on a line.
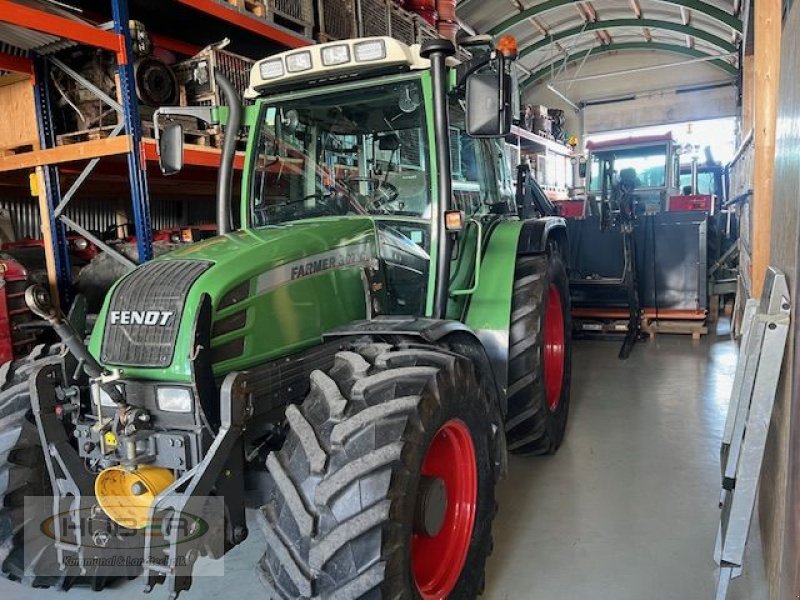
pixel 99 214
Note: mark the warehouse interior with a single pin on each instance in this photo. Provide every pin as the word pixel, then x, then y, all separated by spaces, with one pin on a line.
pixel 416 299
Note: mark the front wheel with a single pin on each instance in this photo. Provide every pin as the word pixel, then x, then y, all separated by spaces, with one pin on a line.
pixel 384 487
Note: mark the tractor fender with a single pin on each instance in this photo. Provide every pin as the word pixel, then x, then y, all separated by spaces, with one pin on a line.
pixel 537 233
pixel 442 332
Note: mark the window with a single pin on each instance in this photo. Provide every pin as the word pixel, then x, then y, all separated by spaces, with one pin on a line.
pixel 359 152
pixel 471 160
pixel 643 167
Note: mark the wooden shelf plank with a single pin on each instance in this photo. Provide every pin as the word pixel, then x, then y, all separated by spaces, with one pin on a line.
pixel 268 30
pixel 62 154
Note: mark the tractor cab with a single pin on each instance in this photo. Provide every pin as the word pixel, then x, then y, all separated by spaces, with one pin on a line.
pixel 647 166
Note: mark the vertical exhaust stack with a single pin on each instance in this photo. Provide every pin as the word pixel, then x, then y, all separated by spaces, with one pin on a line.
pixel 225 175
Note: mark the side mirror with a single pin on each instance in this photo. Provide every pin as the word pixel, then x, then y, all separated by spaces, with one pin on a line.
pixel 582 167
pixel 170 149
pixel 489 104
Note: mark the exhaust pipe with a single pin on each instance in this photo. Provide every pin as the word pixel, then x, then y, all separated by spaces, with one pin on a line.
pixel 225 175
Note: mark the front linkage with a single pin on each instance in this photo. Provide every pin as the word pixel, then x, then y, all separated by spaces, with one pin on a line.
pixel 163 526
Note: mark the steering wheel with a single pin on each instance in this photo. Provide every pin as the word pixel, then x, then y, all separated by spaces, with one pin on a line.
pixel 385 193
pixel 284 210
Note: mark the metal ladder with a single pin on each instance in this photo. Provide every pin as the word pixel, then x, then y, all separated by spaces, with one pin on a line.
pixel 765 330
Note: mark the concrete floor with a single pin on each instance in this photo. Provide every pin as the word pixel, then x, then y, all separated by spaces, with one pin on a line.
pixel 627 509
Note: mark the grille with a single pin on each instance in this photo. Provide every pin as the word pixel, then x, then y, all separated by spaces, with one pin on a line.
pixel 134 333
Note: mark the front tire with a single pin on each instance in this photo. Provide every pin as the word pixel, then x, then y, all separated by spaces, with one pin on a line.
pixel 355 504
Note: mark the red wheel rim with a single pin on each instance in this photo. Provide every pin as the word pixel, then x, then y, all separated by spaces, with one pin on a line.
pixel 437 561
pixel 553 347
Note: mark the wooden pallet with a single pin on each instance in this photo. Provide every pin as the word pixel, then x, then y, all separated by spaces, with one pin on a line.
pixel 198 137
pixel 84 135
pixel 685 327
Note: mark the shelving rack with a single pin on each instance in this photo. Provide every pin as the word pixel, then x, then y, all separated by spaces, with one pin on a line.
pixel 556 176
pixel 212 20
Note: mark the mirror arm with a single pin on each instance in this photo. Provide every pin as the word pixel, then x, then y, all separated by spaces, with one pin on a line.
pixel 472 66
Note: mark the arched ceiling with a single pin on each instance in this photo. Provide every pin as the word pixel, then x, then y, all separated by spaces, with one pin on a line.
pixel 553 34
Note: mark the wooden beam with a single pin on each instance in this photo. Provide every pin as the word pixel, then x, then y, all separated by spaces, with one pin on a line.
pixel 47 234
pixel 766 79
pixel 110 146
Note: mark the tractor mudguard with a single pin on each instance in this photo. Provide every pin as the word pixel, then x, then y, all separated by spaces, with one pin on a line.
pixel 536 233
pixel 449 334
pixel 455 334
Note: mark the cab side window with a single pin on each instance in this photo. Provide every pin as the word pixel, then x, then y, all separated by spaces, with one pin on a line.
pixel 474 179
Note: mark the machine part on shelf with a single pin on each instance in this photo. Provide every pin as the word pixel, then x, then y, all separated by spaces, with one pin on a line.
pixel 141 43
pixel 766 330
pixel 156 83
pixel 88 88
pixel 196 74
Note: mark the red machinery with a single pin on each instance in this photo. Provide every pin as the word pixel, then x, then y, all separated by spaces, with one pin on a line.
pixel 15 341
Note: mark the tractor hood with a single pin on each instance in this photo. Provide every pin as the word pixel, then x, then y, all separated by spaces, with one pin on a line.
pixel 273 291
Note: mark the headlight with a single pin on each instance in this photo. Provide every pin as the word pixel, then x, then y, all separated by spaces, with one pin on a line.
pixel 335 55
pixel 271 69
pixel 298 62
pixel 175 238
pixel 372 50
pixel 174 399
pixel 81 243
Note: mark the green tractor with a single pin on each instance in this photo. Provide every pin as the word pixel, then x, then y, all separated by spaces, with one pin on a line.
pixel 381 319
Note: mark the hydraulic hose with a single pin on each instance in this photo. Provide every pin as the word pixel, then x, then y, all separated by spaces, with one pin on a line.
pixel 38 300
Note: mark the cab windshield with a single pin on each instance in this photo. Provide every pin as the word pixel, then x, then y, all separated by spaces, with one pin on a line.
pixel 357 152
pixel 641 167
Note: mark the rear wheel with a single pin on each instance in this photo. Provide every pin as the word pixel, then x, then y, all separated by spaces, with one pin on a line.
pixel 540 355
pixel 385 485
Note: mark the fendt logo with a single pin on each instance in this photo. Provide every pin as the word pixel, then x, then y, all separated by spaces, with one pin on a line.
pixel 141 317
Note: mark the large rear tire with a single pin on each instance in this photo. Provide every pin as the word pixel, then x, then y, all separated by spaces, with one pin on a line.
pixel 540 355
pixel 355 507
